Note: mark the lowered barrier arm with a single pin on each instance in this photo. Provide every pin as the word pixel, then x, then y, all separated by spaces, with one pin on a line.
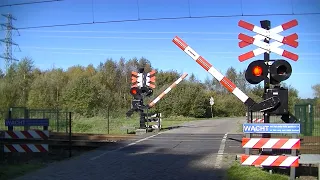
pixel 152 103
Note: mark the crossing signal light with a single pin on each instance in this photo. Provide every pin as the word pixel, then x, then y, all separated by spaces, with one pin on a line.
pixel 256 72
pixel 280 70
pixel 147 91
pixel 135 92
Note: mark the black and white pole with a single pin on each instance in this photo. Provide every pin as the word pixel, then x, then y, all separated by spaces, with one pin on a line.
pixel 211 104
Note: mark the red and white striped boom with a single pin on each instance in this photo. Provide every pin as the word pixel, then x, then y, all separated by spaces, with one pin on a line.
pixel 167 90
pixel 213 71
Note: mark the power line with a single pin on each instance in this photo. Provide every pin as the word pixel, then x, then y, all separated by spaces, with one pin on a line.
pixel 146 32
pixel 170 18
pixel 26 3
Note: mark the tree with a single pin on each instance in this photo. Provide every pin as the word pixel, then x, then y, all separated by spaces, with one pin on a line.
pixel 242 83
pixel 316 89
pixel 47 90
pixel 209 84
pixel 258 90
pixel 231 74
pixel 166 78
pixel 80 96
pixel 24 80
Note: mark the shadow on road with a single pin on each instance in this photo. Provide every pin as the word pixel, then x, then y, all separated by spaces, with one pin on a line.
pixel 146 160
pixel 233 139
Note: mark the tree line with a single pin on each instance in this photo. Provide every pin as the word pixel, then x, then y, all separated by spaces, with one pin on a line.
pixel 91 91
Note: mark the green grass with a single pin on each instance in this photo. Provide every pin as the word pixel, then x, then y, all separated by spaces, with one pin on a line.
pixel 239 172
pixel 12 171
pixel 99 125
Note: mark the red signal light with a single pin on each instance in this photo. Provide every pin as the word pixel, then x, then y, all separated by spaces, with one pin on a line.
pixel 257 71
pixel 134 91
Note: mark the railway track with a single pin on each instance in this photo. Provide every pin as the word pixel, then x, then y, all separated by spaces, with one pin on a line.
pixel 309 145
pixel 77 140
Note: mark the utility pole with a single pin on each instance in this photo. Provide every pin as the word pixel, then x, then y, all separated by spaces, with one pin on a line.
pixel 7 55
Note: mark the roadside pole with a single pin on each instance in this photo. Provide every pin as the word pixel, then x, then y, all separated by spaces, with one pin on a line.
pixel 211 104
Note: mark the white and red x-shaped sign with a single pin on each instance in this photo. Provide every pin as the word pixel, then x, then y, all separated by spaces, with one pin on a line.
pixel 268 34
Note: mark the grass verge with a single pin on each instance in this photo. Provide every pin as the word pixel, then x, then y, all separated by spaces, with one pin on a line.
pixel 239 172
pixel 99 125
pixel 16 170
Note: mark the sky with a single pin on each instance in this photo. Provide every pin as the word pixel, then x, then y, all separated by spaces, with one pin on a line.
pixel 112 29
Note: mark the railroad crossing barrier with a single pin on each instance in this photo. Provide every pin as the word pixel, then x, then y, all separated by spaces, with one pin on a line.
pixel 258 120
pixel 293 144
pixel 155 121
pixel 27 135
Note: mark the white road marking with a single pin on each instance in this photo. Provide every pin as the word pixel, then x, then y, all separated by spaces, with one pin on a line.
pixel 220 152
pixel 131 144
pixel 234 146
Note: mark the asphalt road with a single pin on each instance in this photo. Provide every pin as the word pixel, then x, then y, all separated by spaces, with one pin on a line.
pixel 196 150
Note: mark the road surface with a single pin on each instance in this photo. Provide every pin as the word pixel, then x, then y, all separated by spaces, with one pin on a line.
pixel 195 150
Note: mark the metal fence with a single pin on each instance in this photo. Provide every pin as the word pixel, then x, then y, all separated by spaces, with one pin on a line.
pixel 309 117
pixel 58 120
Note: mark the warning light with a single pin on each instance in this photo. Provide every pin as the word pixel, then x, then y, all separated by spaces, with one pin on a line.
pixel 257 71
pixel 280 71
pixel 133 91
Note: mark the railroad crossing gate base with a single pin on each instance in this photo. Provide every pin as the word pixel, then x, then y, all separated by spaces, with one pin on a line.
pixel 141 131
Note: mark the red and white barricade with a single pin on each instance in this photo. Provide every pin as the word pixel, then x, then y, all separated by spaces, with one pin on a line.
pixel 30 134
pixel 28 148
pixel 258 120
pixel 264 160
pixel 273 143
pixel 26 135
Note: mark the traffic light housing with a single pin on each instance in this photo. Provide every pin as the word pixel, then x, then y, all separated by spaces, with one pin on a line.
pixel 256 72
pixel 280 70
pixel 274 74
pixel 146 91
pixel 136 92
